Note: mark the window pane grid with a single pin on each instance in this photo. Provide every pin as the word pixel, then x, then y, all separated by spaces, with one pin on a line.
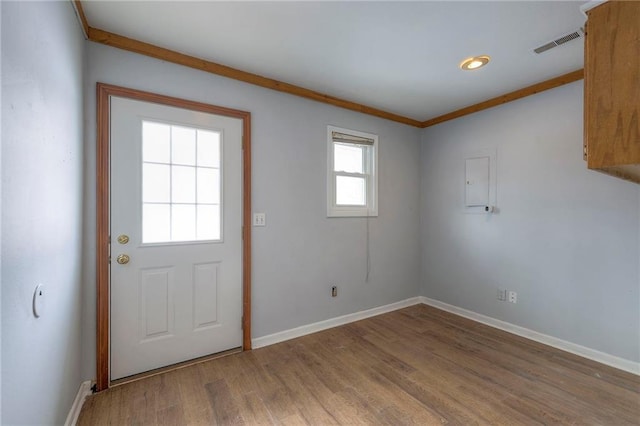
pixel 184 203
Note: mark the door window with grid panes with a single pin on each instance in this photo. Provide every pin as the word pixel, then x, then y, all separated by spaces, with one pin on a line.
pixel 181 183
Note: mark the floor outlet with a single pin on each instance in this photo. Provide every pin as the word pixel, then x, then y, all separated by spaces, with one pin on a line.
pixel 513 297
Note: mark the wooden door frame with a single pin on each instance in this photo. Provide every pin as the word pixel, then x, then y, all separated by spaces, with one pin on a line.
pixel 104 92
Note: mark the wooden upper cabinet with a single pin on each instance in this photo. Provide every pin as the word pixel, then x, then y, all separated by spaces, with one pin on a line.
pixel 612 89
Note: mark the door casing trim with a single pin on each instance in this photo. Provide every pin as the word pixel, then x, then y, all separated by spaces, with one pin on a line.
pixel 104 92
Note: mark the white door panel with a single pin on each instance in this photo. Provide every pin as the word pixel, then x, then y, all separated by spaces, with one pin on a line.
pixel 180 296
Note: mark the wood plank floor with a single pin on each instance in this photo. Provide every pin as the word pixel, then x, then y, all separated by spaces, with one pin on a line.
pixel 418 365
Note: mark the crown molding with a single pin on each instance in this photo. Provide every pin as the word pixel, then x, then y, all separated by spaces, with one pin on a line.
pixel 147 49
pixel 509 97
pixel 132 45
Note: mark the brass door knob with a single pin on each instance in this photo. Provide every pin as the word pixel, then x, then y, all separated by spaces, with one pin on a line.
pixel 123 239
pixel 122 259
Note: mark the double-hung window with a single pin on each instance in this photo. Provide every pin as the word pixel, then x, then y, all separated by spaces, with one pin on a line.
pixel 352 178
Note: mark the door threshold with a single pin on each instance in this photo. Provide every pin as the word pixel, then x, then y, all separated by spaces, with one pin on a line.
pixel 172 367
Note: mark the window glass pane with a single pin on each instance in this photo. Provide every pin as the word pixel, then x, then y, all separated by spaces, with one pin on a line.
pixel 208 223
pixel 183 222
pixel 348 158
pixel 181 201
pixel 156 142
pixel 350 191
pixel 155 183
pixel 208 148
pixel 183 184
pixel 208 186
pixel 155 223
pixel 183 145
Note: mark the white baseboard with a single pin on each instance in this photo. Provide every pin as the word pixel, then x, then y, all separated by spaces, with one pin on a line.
pixel 601 357
pixel 83 393
pixel 281 336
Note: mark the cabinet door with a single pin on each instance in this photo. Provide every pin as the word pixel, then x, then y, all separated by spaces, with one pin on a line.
pixel 612 89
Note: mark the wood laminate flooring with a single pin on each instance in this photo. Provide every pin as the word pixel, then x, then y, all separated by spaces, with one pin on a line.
pixel 417 365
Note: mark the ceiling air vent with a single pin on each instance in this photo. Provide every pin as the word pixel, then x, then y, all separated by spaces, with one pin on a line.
pixel 560 40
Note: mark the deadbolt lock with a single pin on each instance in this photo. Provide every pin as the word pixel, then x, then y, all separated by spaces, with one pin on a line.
pixel 123 239
pixel 122 259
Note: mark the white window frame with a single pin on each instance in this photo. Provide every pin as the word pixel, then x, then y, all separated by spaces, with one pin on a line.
pixel 370 163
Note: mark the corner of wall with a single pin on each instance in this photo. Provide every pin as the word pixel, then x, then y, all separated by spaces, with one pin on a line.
pixel 561 238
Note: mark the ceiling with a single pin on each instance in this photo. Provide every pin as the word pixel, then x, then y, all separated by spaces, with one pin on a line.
pixel 400 57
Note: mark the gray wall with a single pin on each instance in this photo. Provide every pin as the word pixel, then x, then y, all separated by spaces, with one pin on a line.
pixel 300 253
pixel 0 219
pixel 42 163
pixel 565 238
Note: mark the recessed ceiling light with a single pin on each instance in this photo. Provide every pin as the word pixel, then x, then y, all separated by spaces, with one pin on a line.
pixel 474 62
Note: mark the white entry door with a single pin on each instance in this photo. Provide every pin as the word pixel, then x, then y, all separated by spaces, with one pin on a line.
pixel 176 235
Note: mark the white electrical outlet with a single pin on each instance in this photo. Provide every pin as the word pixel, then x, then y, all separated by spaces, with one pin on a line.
pixel 259 219
pixel 513 297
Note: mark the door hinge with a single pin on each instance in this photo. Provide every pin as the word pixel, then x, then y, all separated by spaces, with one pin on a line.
pixel 109 239
pixel 584 152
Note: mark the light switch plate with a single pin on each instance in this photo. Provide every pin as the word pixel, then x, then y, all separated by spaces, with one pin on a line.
pixel 259 219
